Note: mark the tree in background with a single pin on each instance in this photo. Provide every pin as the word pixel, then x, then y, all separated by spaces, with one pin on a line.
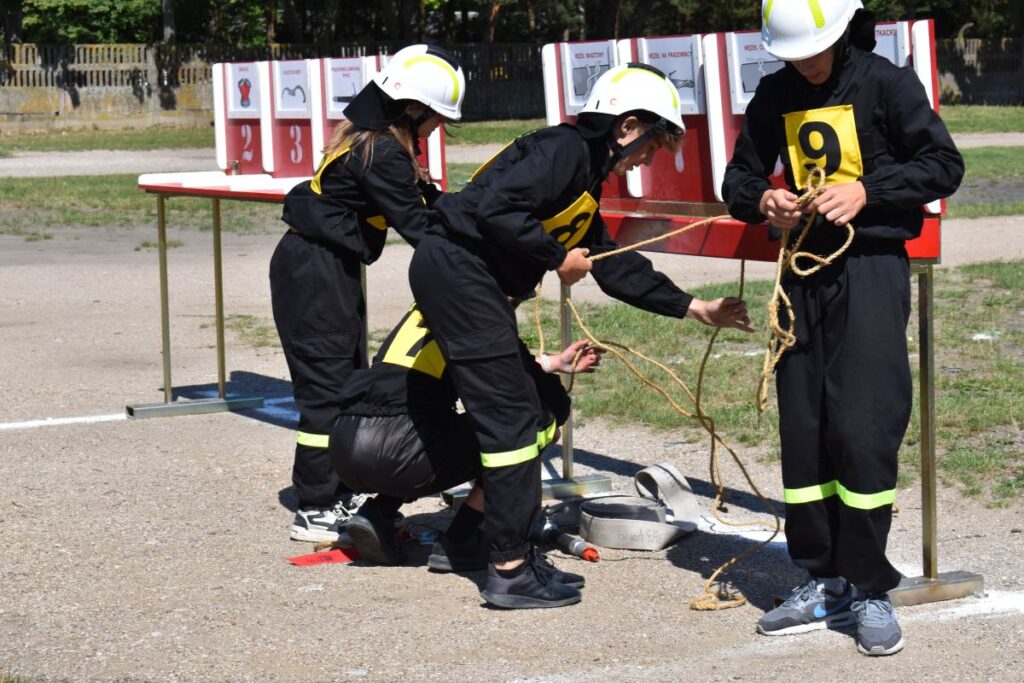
pixel 258 23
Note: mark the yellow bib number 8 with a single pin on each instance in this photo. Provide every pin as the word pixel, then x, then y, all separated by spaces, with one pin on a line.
pixel 826 138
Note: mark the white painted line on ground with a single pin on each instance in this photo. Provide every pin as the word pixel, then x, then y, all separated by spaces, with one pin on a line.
pixel 991 604
pixel 57 421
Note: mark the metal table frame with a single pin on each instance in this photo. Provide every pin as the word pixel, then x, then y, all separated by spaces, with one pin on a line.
pixel 195 407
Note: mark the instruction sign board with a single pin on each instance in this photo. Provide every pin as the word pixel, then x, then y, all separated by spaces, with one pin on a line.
pixel 236 121
pixel 286 111
pixel 749 62
pixel 582 65
pixel 334 82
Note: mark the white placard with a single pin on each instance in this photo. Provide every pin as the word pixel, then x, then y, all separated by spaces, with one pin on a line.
pixel 291 90
pixel 891 42
pixel 243 86
pixel 679 58
pixel 344 79
pixel 582 64
pixel 749 62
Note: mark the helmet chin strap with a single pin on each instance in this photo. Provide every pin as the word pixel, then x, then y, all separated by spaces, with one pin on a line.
pixel 427 114
pixel 620 152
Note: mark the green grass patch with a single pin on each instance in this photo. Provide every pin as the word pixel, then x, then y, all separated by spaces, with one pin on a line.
pixel 459 174
pixel 993 162
pixel 115 201
pixel 615 392
pixel 147 244
pixel 993 183
pixel 253 331
pixel 979 331
pixel 156 137
pixel 969 118
pixel 491 132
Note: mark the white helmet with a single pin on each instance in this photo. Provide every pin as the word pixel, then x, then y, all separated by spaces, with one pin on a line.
pixel 634 86
pixel 427 74
pixel 798 29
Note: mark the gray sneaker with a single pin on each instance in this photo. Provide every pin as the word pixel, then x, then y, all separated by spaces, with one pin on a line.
pixel 809 607
pixel 878 633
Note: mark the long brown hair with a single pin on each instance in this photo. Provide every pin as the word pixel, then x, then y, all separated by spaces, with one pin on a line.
pixel 347 134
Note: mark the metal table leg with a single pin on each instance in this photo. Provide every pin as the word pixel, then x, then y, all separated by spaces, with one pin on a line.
pixel 932 586
pixel 216 405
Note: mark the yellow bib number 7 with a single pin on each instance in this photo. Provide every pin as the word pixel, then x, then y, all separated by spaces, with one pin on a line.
pixel 826 138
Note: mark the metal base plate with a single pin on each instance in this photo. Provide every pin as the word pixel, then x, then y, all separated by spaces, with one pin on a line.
pixel 550 488
pixel 946 586
pixel 197 407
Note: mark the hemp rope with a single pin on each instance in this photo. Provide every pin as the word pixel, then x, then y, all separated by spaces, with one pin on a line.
pixel 714 597
pixel 783 339
pixel 723 597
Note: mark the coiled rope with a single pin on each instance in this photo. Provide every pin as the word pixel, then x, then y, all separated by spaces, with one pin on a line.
pixel 783 339
pixel 719 594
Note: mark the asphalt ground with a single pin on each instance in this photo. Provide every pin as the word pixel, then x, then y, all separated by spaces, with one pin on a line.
pixel 155 549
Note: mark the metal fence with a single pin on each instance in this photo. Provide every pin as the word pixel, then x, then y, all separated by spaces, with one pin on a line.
pixel 504 79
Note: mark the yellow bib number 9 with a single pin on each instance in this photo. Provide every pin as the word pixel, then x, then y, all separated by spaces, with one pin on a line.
pixel 826 138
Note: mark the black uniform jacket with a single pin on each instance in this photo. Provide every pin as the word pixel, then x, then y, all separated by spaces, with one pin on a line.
pixel 535 200
pixel 349 204
pixel 906 156
pixel 408 376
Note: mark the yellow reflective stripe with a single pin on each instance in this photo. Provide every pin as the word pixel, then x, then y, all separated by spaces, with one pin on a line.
pixel 865 501
pixel 860 501
pixel 314 440
pixel 675 94
pixel 809 494
pixel 768 13
pixel 544 439
pixel 444 65
pixel 314 184
pixel 510 457
pixel 819 16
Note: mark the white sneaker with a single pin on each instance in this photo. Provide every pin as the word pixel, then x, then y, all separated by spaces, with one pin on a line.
pixel 325 525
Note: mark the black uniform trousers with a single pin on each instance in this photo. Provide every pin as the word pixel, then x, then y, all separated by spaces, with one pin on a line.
pixel 319 311
pixel 405 456
pixel 476 329
pixel 844 395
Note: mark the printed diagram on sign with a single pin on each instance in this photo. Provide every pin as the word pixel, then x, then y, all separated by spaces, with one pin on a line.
pixel 749 62
pixel 679 58
pixel 243 91
pixel 582 65
pixel 583 78
pixel 294 95
pixel 291 82
pixel 345 97
pixel 345 77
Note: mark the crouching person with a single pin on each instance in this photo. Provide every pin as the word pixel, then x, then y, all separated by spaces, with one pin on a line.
pixel 399 436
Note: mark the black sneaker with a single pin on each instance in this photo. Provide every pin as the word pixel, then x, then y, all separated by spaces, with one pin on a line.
pixel 373 534
pixel 545 564
pixel 533 588
pixel 448 556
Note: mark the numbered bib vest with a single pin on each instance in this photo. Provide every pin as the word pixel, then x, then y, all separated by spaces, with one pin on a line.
pixel 826 138
pixel 569 226
pixel 413 346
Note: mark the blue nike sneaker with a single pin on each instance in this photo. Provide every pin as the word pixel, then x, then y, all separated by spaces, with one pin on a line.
pixel 809 607
pixel 878 632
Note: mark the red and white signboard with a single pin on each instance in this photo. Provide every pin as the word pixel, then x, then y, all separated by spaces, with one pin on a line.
pixel 686 175
pixel 339 80
pixel 236 108
pixel 286 113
